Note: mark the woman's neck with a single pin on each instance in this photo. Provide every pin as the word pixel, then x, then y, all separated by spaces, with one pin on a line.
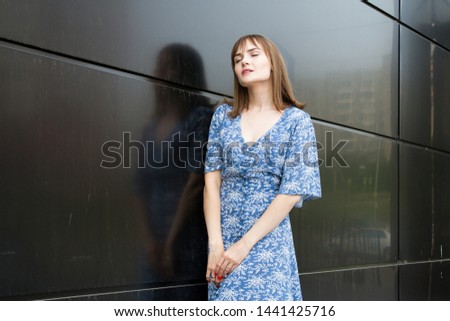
pixel 260 98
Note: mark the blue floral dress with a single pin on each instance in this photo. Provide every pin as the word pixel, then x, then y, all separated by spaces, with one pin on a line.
pixel 282 161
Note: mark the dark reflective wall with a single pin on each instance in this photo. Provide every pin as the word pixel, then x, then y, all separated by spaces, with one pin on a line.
pixel 105 105
pixel 339 56
pixel 79 210
pixel 424 218
pixel 430 18
pixel 355 223
pixel 425 90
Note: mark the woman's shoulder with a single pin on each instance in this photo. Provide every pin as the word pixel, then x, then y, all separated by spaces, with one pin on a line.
pixel 222 110
pixel 296 114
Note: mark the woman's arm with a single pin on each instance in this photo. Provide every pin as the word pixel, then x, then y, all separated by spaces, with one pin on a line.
pixel 278 209
pixel 211 208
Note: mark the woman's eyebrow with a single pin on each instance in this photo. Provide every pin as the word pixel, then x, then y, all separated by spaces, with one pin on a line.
pixel 249 50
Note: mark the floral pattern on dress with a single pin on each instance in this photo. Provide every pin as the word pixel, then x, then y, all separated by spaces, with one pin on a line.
pixel 283 161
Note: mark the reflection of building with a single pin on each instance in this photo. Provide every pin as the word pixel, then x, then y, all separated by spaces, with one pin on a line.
pixel 356 98
pixel 356 95
pixel 361 244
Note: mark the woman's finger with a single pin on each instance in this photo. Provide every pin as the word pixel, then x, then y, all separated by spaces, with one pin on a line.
pixel 218 266
pixel 223 268
pixel 208 275
pixel 218 270
pixel 229 268
pixel 226 268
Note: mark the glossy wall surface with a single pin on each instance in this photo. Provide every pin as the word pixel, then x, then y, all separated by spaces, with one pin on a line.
pixel 101 181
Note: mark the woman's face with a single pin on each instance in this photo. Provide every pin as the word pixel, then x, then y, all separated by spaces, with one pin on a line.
pixel 251 65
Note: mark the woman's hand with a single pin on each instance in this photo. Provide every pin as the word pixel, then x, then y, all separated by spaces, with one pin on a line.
pixel 215 254
pixel 232 257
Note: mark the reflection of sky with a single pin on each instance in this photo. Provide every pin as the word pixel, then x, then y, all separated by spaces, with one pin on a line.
pixel 328 35
pixel 387 6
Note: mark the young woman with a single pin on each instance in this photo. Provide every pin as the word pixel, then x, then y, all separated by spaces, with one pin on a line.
pixel 261 162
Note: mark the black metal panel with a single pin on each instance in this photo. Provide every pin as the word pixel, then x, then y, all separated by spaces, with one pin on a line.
pixel 355 222
pixel 342 56
pixel 424 91
pixel 196 292
pixel 70 226
pixel 389 6
pixel 377 283
pixel 430 18
pixel 72 211
pixel 424 203
pixel 425 281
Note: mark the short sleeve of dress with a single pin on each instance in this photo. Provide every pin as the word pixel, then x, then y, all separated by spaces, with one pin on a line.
pixel 214 148
pixel 300 175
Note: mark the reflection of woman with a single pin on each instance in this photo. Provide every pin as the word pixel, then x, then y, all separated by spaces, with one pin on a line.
pixel 169 189
pixel 261 162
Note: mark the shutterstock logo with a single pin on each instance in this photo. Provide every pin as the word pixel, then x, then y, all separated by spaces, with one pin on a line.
pixel 180 152
pixel 332 152
pixel 186 151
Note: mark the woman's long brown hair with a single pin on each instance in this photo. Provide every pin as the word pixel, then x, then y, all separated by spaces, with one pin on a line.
pixel 283 94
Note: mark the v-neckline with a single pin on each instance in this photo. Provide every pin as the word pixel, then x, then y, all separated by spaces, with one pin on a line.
pixel 263 135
